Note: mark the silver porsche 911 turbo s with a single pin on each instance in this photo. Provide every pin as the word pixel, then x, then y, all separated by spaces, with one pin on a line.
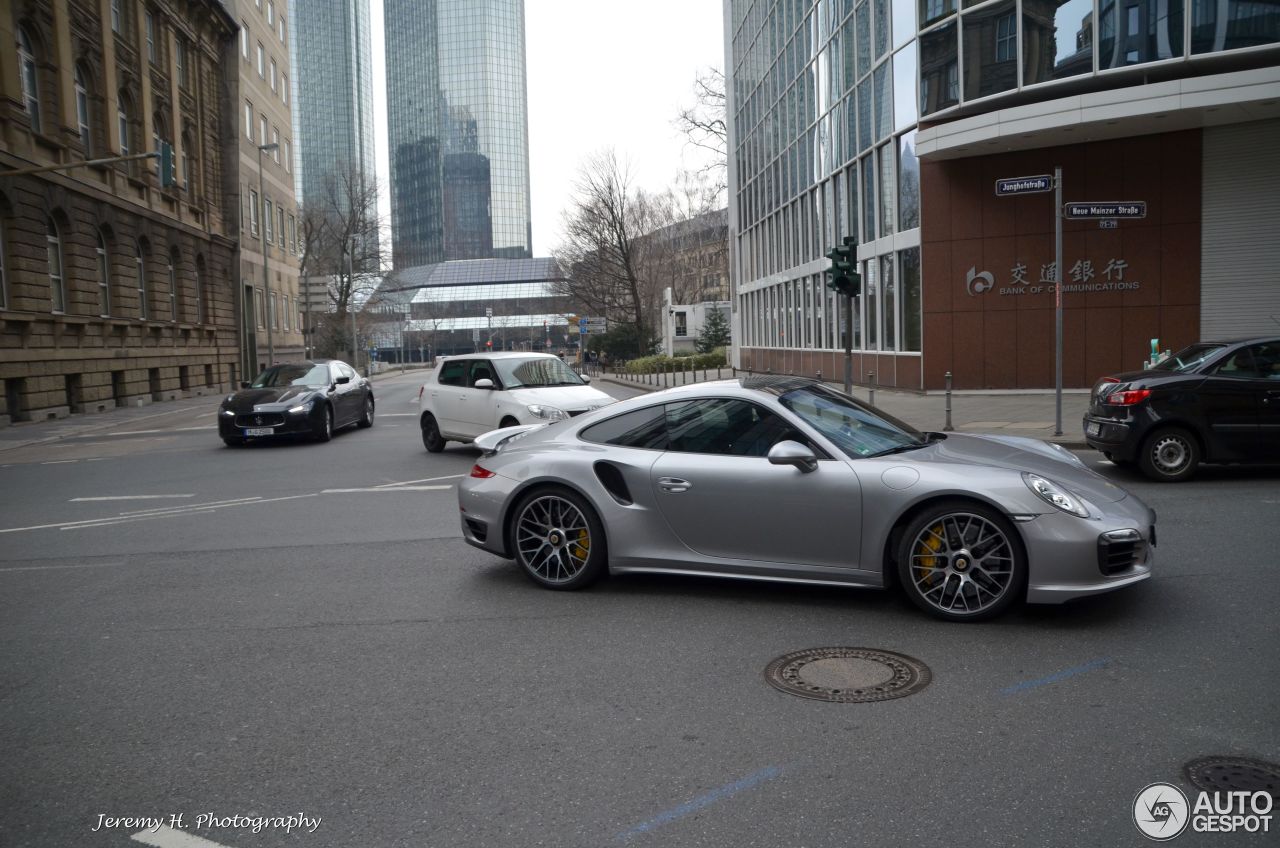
pixel 781 478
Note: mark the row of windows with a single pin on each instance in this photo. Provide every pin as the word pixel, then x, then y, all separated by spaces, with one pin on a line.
pixel 150 304
pixel 283 149
pixel 90 126
pixel 269 220
pixel 267 64
pixel 280 310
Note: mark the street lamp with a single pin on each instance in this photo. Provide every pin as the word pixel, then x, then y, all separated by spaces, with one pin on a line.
pixel 262 235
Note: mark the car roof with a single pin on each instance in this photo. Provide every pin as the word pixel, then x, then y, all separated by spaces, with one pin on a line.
pixel 512 354
pixel 1244 341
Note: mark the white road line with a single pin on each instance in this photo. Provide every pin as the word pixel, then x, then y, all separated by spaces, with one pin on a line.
pixel 60 567
pixel 167 837
pixel 425 480
pixel 163 512
pixel 170 430
pixel 132 498
pixel 384 489
pixel 227 502
pixel 98 459
pixel 59 461
pixel 397 415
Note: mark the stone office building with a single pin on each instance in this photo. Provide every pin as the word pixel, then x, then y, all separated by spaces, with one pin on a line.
pixel 113 289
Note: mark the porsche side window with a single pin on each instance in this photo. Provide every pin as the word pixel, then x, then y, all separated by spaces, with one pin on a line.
pixel 642 428
pixel 452 373
pixel 727 427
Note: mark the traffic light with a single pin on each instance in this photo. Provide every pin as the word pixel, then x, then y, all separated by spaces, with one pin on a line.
pixel 489 344
pixel 168 175
pixel 842 276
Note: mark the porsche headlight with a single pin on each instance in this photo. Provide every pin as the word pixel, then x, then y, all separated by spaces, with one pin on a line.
pixel 548 413
pixel 1054 495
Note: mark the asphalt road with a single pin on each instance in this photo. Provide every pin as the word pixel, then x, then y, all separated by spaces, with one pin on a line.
pixel 300 630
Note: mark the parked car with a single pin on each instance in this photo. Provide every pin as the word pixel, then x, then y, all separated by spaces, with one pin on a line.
pixel 470 395
pixel 312 398
pixel 1210 402
pixel 783 478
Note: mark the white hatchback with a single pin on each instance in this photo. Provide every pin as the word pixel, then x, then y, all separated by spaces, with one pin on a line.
pixel 470 395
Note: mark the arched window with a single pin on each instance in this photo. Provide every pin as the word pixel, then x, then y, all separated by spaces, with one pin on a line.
pixel 173 286
pixel 201 316
pixel 140 266
pixel 123 123
pixel 82 112
pixel 104 276
pixel 29 78
pixel 57 282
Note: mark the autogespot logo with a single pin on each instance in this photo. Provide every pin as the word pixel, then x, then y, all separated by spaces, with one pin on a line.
pixel 1161 812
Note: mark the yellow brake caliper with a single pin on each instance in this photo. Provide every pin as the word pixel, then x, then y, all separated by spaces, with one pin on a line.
pixel 929 547
pixel 583 546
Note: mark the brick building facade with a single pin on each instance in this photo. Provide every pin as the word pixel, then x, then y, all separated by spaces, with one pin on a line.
pixel 114 290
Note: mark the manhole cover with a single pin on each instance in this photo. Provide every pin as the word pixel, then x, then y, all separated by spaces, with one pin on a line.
pixel 1234 774
pixel 848 675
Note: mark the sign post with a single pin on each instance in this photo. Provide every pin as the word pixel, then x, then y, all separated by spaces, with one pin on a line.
pixel 1042 184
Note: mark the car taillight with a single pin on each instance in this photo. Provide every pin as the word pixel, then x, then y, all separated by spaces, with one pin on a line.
pixel 1129 398
pixel 482 473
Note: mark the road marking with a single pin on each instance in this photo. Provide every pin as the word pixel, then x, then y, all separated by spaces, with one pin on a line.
pixel 386 489
pixel 131 498
pixel 60 567
pixel 167 837
pixel 149 432
pixel 424 480
pixel 726 791
pixel 1054 678
pixel 59 461
pixel 397 415
pixel 98 459
pixel 227 502
pixel 160 512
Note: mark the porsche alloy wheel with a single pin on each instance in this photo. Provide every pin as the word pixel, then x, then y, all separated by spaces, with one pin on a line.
pixel 558 541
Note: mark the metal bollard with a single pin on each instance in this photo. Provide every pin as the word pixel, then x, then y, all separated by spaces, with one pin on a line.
pixel 871 398
pixel 947 427
pixel 717 372
pixel 819 376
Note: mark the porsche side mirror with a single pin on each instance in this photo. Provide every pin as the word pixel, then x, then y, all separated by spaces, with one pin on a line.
pixel 483 383
pixel 793 453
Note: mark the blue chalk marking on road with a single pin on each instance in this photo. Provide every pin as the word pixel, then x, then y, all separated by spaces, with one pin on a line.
pixel 702 801
pixel 1054 678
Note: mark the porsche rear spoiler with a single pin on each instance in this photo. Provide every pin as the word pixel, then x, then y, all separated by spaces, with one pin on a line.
pixel 492 441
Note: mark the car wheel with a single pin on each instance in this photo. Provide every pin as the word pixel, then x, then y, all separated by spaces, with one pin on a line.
pixel 431 438
pixel 962 561
pixel 366 420
pixel 1169 455
pixel 508 421
pixel 233 443
pixel 558 539
pixel 324 431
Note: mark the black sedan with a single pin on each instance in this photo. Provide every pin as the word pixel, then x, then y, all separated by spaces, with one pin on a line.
pixel 1210 402
pixel 311 398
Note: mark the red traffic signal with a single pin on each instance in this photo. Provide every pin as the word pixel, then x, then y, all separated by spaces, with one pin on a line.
pixel 489 343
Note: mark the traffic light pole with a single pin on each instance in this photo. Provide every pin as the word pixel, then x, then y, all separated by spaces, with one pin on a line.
pixel 848 344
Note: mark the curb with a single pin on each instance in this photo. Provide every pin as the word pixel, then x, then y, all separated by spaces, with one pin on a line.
pixel 1068 442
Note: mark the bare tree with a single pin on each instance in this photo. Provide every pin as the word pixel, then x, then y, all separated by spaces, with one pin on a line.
pixel 705 125
pixel 600 255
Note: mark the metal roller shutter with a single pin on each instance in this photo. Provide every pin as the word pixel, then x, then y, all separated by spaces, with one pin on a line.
pixel 1240 236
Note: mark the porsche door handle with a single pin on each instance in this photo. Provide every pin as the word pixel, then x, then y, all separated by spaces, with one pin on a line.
pixel 673 484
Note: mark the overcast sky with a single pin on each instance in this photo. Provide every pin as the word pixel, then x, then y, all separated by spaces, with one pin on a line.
pixel 600 74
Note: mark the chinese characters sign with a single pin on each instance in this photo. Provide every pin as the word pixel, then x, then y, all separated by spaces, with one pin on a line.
pixel 1082 276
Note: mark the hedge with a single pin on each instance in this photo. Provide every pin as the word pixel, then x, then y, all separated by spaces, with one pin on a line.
pixel 653 364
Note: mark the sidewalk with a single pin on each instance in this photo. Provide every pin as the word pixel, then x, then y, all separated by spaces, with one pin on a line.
pixel 154 415
pixel 1021 413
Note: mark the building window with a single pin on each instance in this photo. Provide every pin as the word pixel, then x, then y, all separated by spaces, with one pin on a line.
pixel 275 313
pixel 271 13
pixel 57 283
pixel 281 29
pixel 275 139
pixel 274 77
pixel 1006 39
pixel 248 120
pixel 185 161
pixel 280 225
pixel 262 129
pixel 122 121
pixel 262 62
pixel 244 39
pixel 180 62
pixel 293 231
pixel 82 112
pixel 269 216
pixel 115 16
pixel 288 156
pixel 262 309
pixel 201 317
pixel 159 136
pixel 173 287
pixel 253 212
pixel 104 277
pixel 151 37
pixel 284 88
pixel 140 268
pixel 30 80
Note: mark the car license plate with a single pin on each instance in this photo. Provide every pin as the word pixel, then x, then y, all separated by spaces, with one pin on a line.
pixel 259 431
pixel 1093 429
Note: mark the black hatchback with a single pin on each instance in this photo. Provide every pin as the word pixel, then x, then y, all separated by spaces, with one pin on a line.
pixel 1210 402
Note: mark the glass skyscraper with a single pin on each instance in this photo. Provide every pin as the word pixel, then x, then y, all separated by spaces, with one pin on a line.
pixel 458 130
pixel 332 90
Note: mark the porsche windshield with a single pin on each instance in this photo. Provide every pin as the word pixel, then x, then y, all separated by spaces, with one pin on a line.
pixel 301 374
pixel 534 373
pixel 857 429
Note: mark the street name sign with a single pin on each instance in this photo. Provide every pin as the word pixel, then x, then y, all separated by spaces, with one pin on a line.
pixel 1106 209
pixel 1038 184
